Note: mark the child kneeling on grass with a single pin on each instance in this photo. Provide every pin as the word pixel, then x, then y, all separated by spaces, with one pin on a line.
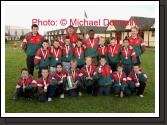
pixel 120 86
pixel 59 78
pixel 89 81
pixel 77 78
pixel 137 80
pixel 46 89
pixel 26 85
pixel 103 76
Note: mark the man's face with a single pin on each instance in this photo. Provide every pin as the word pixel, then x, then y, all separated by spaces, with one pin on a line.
pixel 126 43
pixel 59 68
pixel 134 32
pixel 24 74
pixel 88 61
pixel 70 30
pixel 112 42
pixel 136 69
pixel 35 30
pixel 91 34
pixel 45 45
pixel 56 44
pixel 44 73
pixel 102 61
pixel 67 41
pixel 119 69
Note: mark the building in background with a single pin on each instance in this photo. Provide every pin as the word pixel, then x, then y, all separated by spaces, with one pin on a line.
pixel 15 32
pixel 117 28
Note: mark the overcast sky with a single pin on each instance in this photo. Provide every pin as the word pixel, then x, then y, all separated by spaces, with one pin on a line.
pixel 22 15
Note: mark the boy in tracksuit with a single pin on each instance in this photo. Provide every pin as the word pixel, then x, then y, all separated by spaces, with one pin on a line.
pixel 42 57
pixel 59 78
pixel 102 49
pixel 26 85
pixel 67 54
pixel 79 53
pixel 137 80
pixel 103 75
pixel 30 45
pixel 56 53
pixel 120 86
pixel 89 81
pixel 77 77
pixel 128 56
pixel 91 45
pixel 113 54
pixel 45 88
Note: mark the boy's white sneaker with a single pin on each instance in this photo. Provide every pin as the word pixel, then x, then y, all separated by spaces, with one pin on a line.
pixel 62 96
pixel 49 99
pixel 141 96
pixel 80 93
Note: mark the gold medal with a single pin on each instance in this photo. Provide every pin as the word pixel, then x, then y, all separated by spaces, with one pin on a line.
pixel 57 59
pixel 126 57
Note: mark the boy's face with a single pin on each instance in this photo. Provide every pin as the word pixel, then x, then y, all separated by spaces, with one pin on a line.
pixel 119 69
pixel 44 73
pixel 136 68
pixel 134 32
pixel 88 61
pixel 102 61
pixel 24 74
pixel 35 30
pixel 102 41
pixel 91 34
pixel 56 44
pixel 79 43
pixel 67 41
pixel 73 64
pixel 45 45
pixel 59 68
pixel 126 43
pixel 112 42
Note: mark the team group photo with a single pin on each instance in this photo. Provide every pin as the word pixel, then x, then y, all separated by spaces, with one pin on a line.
pixel 81 68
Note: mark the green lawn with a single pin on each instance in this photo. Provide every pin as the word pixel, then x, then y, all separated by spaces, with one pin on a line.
pixel 15 60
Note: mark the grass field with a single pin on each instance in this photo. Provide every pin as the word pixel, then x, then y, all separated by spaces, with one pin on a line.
pixel 15 60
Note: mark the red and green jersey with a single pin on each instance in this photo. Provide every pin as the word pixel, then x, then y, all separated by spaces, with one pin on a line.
pixel 32 43
pixel 113 54
pixel 138 45
pixel 88 71
pixel 73 38
pixel 119 78
pixel 67 53
pixel 128 56
pixel 79 55
pixel 75 74
pixel 91 47
pixel 60 76
pixel 42 82
pixel 102 50
pixel 104 78
pixel 26 82
pixel 137 77
pixel 55 57
pixel 42 58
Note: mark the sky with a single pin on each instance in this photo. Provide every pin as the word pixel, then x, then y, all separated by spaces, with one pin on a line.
pixel 23 14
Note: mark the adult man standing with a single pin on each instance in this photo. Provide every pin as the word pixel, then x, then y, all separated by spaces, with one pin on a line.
pixel 137 43
pixel 31 43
